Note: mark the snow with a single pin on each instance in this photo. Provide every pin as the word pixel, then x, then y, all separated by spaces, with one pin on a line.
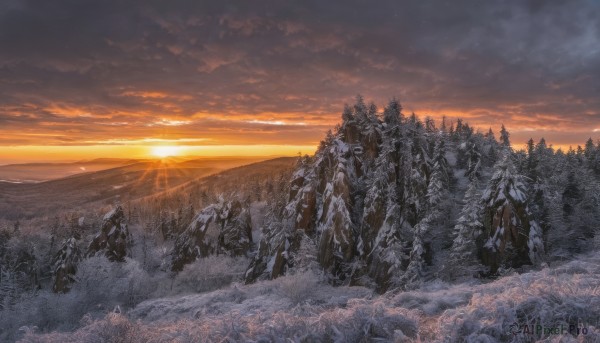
pixel 298 173
pixel 451 158
pixel 302 306
pixel 109 214
pixel 341 147
pixel 517 195
pixel 271 264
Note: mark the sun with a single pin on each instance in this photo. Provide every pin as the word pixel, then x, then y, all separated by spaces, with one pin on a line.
pixel 165 151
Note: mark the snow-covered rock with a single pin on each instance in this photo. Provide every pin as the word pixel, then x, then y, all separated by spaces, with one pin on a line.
pixel 113 239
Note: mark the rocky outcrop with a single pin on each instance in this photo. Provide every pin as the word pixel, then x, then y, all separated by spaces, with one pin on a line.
pixel 113 239
pixel 340 200
pixel 65 266
pixel 235 236
pixel 222 228
pixel 375 203
pixel 196 241
pixel 513 238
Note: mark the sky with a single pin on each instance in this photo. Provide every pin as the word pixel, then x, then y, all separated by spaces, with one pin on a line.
pixel 82 78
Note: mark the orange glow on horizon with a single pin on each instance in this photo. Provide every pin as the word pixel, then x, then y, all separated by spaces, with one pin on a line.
pixel 28 154
pixel 163 151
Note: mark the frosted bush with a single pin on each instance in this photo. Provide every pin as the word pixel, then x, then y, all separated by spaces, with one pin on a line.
pixel 208 274
pixel 298 287
pixel 108 284
pixel 357 322
pixel 275 311
pixel 101 286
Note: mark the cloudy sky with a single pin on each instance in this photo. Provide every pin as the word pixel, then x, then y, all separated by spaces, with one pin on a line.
pixel 105 76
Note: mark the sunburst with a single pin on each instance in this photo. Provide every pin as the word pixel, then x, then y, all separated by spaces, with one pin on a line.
pixel 163 151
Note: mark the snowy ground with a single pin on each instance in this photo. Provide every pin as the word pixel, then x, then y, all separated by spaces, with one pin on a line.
pixel 301 308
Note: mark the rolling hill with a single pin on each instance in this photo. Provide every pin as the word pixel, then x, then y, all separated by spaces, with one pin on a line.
pixel 128 182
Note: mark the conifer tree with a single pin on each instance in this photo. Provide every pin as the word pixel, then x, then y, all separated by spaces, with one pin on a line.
pixel 463 257
pixel 392 114
pixel 504 137
pixel 65 266
pixel 508 220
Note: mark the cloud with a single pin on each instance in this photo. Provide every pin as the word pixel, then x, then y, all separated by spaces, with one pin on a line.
pixel 75 71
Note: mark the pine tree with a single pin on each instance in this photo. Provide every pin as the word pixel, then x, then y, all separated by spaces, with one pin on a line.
pixel 504 137
pixel 490 149
pixel 336 243
pixel 412 278
pixel 65 266
pixel 436 189
pixel 592 155
pixel 473 156
pixel 347 114
pixel 439 161
pixel 392 114
pixel 490 135
pixel 416 189
pixel 444 128
pixel 508 221
pixel 430 125
pixel 463 257
pixel 360 109
pixel 458 132
pixel 383 231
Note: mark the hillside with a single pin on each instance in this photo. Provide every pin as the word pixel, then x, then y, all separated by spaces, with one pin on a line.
pixel 38 172
pixel 248 180
pixel 306 309
pixel 105 187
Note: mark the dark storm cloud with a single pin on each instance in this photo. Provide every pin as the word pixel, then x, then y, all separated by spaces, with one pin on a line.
pixel 113 69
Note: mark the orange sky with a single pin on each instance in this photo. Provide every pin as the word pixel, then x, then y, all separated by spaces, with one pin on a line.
pixel 269 134
pixel 36 153
pixel 114 78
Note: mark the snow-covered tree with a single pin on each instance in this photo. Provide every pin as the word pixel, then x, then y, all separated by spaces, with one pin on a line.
pixel 504 137
pixel 65 266
pixel 473 170
pixel 463 257
pixel 336 242
pixel 392 115
pixel 508 221
pixel 413 276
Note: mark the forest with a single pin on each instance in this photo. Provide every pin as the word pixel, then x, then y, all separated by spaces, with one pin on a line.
pixel 398 228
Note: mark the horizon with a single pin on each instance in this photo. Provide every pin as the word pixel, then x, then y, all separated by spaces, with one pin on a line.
pixel 59 154
pixel 272 78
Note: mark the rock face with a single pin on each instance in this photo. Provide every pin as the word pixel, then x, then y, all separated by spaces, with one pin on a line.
pixel 374 202
pixel 65 266
pixel 513 237
pixel 350 200
pixel 194 242
pixel 222 228
pixel 113 239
